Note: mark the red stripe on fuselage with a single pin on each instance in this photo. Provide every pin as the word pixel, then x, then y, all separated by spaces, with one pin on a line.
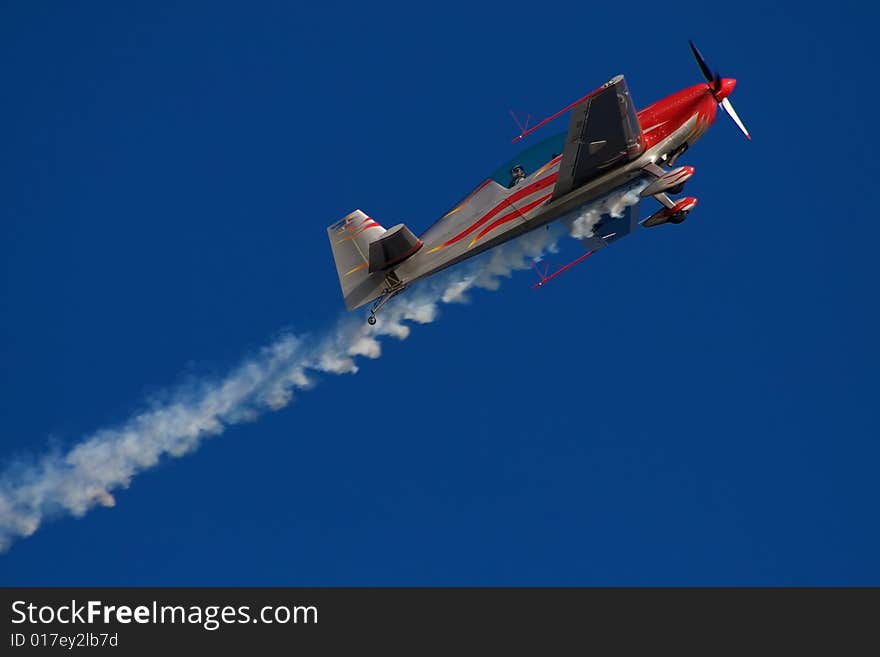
pixel 511 215
pixel 529 189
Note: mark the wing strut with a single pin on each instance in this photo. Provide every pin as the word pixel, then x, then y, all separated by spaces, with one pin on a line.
pixel 546 275
pixel 522 127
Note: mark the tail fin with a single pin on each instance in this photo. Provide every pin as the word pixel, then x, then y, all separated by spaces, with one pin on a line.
pixel 350 239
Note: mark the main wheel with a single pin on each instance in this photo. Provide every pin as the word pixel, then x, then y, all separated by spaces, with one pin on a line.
pixel 371 320
pixel 678 217
pixel 677 189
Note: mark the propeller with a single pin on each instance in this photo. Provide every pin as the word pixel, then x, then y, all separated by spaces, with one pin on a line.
pixel 721 88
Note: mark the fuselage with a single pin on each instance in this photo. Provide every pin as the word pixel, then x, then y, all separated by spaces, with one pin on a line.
pixel 493 213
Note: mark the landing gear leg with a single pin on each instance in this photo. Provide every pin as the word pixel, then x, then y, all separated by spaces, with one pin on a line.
pixel 393 287
pixel 670 161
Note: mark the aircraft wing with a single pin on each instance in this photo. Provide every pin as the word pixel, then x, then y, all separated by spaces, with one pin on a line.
pixel 603 131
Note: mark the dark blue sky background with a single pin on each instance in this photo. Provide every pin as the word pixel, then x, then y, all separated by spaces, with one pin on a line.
pixel 696 405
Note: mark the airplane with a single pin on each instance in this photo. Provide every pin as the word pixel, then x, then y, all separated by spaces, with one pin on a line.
pixel 608 147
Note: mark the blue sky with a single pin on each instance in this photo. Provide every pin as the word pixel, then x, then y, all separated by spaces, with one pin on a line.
pixel 696 405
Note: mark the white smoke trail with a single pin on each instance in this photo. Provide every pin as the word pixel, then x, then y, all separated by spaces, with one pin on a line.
pixel 77 479
pixel 583 220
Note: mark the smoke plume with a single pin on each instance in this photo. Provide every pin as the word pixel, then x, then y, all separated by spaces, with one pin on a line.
pixel 75 479
pixel 582 221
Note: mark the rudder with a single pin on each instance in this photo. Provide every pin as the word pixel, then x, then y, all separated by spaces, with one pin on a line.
pixel 350 239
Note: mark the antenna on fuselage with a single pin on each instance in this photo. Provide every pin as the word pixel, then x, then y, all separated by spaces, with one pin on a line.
pixel 522 128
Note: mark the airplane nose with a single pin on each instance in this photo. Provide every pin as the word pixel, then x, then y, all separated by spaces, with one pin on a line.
pixel 727 87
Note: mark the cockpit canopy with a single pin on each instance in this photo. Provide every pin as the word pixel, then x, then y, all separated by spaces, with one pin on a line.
pixel 531 159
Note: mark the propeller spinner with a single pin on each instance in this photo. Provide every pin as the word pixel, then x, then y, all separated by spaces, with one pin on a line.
pixel 721 88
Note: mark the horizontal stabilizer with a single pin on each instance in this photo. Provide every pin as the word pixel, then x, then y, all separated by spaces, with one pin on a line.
pixel 393 247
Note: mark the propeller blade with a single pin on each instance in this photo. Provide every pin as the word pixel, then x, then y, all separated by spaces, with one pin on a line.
pixel 704 67
pixel 728 107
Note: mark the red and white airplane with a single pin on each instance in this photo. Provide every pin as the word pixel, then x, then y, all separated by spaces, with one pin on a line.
pixel 609 148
